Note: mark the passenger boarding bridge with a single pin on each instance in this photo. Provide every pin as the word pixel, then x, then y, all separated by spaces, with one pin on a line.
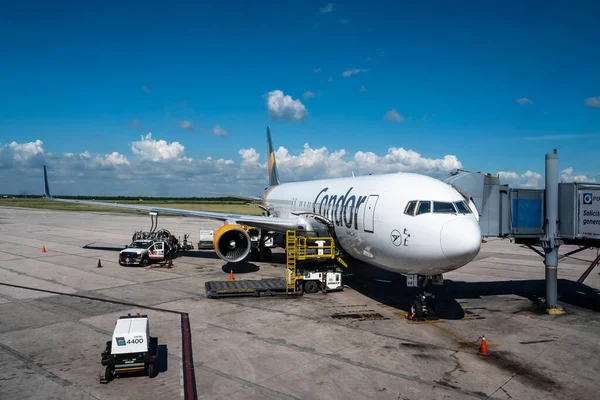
pixel 562 213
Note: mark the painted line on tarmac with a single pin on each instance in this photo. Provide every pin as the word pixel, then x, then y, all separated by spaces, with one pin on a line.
pixel 465 344
pixel 189 378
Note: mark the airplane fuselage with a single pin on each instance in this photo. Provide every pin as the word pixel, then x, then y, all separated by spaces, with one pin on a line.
pixel 375 223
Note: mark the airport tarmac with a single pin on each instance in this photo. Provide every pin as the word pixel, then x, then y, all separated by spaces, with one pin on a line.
pixel 351 344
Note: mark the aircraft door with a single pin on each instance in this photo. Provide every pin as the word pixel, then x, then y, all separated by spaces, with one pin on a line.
pixel 370 212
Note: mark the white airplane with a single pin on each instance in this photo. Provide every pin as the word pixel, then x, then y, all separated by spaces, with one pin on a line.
pixel 406 223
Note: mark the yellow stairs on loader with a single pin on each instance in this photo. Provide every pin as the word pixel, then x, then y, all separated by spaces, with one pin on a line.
pixel 290 270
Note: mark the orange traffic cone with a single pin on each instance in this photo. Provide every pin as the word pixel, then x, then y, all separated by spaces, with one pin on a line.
pixel 483 351
pixel 231 278
pixel 43 249
pixel 99 264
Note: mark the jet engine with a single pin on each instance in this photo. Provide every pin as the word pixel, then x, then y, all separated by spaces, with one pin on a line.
pixel 232 243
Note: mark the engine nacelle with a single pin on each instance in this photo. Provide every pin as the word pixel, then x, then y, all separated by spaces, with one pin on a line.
pixel 232 243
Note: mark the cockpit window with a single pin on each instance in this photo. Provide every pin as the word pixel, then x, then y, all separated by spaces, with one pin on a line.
pixel 410 208
pixel 443 208
pixel 424 207
pixel 462 207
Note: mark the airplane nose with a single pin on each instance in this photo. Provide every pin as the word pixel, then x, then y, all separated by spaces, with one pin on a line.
pixel 460 240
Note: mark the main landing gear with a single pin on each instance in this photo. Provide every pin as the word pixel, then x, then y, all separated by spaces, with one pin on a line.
pixel 423 306
pixel 261 254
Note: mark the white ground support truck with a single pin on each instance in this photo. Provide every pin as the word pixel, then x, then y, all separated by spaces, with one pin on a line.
pixel 144 252
pixel 206 240
pixel 131 349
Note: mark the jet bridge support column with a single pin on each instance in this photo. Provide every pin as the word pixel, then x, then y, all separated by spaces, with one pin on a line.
pixel 550 241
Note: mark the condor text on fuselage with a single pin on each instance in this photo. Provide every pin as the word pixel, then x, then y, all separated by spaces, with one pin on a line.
pixel 342 210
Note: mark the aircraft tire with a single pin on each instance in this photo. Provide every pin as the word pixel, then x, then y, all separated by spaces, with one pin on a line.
pixel 267 254
pixel 416 308
pixel 430 306
pixel 255 254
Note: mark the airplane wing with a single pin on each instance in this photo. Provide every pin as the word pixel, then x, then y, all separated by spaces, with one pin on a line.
pixel 236 196
pixel 269 223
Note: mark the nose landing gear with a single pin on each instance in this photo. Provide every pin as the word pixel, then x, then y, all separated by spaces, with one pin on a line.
pixel 423 306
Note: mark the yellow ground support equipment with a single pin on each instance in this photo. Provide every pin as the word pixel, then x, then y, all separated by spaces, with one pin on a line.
pixel 306 249
pixel 312 264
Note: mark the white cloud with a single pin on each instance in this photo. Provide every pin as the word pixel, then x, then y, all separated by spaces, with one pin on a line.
pixel 308 95
pixel 344 21
pixel 326 9
pixel 566 175
pixel 251 171
pixel 330 79
pixel 320 163
pixel 26 150
pixel 592 101
pixel 249 156
pixel 527 180
pixel 152 170
pixel 362 89
pixel 157 150
pixel 112 159
pixel 222 161
pixel 535 180
pixel 145 89
pixel 218 131
pixel 524 100
pixel 282 106
pixel 317 70
pixel 85 155
pixel 353 71
pixel 187 125
pixel 393 116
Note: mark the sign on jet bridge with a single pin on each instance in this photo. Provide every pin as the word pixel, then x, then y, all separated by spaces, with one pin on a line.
pixel 589 213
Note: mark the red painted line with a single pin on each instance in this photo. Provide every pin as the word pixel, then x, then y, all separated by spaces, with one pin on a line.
pixel 189 378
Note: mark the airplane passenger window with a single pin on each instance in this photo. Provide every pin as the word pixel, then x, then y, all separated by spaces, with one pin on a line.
pixel 424 207
pixel 443 208
pixel 462 207
pixel 410 208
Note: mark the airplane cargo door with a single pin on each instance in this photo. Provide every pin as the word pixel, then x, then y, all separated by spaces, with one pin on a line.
pixel 370 212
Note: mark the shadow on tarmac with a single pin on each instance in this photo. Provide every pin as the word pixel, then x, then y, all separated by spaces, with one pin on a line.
pixel 208 254
pixel 390 289
pixel 240 268
pixel 162 362
pixel 105 248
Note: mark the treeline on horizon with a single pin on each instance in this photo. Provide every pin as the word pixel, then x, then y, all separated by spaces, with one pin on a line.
pixel 136 198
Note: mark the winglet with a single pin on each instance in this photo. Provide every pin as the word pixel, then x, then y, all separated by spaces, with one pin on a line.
pixel 46 187
pixel 273 173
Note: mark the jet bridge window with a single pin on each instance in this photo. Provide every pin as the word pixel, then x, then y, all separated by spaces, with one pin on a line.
pixel 424 207
pixel 443 208
pixel 462 207
pixel 410 208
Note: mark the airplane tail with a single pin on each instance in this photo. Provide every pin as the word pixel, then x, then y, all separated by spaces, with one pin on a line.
pixel 273 173
pixel 46 186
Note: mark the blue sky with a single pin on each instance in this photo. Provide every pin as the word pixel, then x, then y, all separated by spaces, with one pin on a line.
pixel 76 76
